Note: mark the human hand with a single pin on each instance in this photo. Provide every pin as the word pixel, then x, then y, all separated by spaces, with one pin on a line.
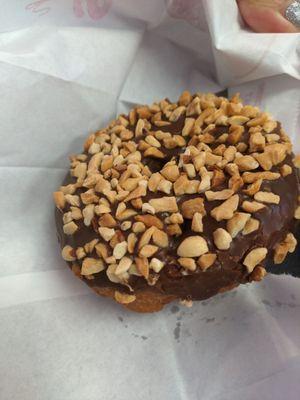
pixel 273 16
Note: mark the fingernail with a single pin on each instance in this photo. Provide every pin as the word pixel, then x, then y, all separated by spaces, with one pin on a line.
pixel 292 13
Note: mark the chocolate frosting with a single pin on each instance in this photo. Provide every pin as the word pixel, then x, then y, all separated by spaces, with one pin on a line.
pixel 228 270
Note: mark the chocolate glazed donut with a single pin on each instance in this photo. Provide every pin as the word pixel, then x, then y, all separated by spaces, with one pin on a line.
pixel 179 201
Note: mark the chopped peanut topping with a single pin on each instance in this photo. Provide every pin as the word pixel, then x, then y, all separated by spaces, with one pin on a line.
pixel 150 178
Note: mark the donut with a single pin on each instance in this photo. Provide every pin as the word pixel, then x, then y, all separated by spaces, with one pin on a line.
pixel 179 201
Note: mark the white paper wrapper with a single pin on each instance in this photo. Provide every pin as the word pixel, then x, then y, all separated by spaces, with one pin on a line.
pixel 66 68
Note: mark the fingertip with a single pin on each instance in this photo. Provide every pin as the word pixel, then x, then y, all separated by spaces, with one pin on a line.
pixel 265 20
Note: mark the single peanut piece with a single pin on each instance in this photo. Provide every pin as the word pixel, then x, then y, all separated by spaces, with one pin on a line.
pixel 257 274
pixel 188 263
pixel 252 225
pixel 59 200
pixel 156 264
pixel 91 266
pixel 222 239
pixel 148 250
pixel 68 253
pixel 252 206
pixel 221 195
pixel 237 223
pixel 190 207
pixel 164 204
pixel 286 170
pixel 142 265
pixel 197 224
pixel 124 298
pixel 160 238
pixel 226 209
pixel 206 261
pixel 266 197
pixel 171 172
pixel 192 246
pixel 120 250
pixel 246 163
pixel 70 228
pixel 254 258
pixel 123 266
pixel 106 233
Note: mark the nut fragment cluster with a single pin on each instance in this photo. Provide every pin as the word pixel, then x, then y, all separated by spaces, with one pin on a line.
pixel 160 174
